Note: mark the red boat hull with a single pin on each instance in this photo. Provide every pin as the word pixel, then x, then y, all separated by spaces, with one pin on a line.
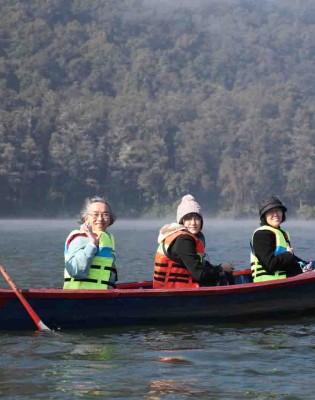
pixel 138 303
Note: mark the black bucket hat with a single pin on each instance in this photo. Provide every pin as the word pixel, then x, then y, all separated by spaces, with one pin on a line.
pixel 269 203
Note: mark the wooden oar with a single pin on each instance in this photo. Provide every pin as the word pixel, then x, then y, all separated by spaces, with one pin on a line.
pixel 38 322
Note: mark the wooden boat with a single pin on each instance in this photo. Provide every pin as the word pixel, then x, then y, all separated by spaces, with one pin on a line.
pixel 138 303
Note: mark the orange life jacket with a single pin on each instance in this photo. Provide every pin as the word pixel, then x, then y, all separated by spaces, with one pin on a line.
pixel 168 274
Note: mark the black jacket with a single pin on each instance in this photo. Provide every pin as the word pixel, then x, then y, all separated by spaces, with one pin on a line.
pixel 264 244
pixel 183 251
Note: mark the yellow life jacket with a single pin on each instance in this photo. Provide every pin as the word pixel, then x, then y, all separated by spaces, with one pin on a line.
pixel 102 268
pixel 259 273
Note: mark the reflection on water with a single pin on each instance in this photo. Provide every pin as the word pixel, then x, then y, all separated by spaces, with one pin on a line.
pixel 259 360
pixel 201 361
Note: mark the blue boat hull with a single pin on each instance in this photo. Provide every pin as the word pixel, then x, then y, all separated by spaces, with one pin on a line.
pixel 136 303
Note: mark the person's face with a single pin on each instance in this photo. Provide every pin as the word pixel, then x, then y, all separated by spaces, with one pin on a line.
pixel 98 216
pixel 274 217
pixel 192 222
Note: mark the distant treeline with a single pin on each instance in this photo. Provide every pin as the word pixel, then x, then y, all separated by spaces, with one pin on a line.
pixel 144 101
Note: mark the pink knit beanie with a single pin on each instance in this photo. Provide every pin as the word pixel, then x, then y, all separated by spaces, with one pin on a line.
pixel 188 205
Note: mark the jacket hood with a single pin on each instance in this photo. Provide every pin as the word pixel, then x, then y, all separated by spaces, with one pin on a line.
pixel 168 229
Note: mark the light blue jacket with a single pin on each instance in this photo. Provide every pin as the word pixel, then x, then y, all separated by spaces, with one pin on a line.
pixel 79 257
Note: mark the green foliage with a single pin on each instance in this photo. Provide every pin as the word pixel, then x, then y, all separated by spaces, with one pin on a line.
pixel 306 212
pixel 145 101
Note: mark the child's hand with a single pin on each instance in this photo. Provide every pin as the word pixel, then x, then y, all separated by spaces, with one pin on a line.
pixel 290 249
pixel 308 267
pixel 227 267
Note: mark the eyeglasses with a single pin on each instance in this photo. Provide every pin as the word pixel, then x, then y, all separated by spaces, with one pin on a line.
pixel 96 215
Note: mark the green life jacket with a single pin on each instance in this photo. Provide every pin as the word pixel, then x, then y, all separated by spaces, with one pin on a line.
pixel 102 272
pixel 259 273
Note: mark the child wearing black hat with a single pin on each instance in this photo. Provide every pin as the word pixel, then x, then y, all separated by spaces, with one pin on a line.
pixel 272 256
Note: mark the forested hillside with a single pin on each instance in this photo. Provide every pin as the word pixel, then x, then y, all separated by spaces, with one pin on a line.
pixel 147 100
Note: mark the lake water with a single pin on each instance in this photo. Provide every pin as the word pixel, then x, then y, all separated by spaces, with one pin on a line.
pixel 258 360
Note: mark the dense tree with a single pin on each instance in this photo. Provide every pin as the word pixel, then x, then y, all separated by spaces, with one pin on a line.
pixel 144 101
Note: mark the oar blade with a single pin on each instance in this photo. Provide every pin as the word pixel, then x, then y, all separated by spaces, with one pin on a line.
pixel 38 322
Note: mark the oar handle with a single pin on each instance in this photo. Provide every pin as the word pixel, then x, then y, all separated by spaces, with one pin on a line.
pixel 242 272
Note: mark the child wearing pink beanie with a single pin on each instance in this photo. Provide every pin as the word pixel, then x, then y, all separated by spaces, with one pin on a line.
pixel 188 205
pixel 180 258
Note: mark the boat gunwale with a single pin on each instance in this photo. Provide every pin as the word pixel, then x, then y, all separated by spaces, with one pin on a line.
pixel 139 291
